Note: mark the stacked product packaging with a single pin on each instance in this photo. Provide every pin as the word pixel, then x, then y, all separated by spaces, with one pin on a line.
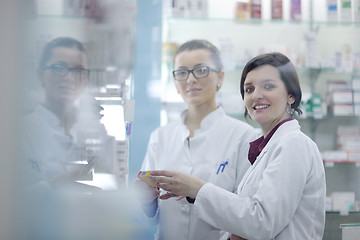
pixel 343 10
pixel 348 146
pixel 343 99
pixel 348 151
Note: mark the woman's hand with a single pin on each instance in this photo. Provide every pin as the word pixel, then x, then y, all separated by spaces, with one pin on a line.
pixel 146 194
pixel 177 184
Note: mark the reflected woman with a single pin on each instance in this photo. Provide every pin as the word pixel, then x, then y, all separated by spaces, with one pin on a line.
pixel 50 131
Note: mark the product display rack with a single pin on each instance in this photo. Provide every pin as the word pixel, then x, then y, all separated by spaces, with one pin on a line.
pixel 240 39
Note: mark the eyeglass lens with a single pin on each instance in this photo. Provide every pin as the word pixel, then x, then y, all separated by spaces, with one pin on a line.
pixel 61 71
pixel 200 72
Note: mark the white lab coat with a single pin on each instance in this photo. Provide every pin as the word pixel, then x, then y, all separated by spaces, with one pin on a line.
pixel 282 196
pixel 220 140
pixel 47 151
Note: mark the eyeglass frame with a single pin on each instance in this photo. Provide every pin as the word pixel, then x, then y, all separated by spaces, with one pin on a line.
pixel 51 67
pixel 192 71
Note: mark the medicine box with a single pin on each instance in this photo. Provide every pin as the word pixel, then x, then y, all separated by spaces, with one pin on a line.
pixel 355 82
pixel 255 9
pixel 332 9
pixel 342 140
pixel 341 96
pixel 331 85
pixel 145 176
pixel 295 10
pixel 356 96
pixel 343 201
pixel 342 109
pixel 348 130
pixel 334 156
pixel 276 9
pixel 345 12
pixel 354 156
pixel 357 109
pixel 242 10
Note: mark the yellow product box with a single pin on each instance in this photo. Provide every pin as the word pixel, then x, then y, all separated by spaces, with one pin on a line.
pixel 145 176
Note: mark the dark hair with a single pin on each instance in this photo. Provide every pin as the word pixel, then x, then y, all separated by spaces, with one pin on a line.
pixel 59 42
pixel 287 74
pixel 202 44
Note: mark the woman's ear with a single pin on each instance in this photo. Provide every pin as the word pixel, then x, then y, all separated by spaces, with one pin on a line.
pixel 221 78
pixel 291 99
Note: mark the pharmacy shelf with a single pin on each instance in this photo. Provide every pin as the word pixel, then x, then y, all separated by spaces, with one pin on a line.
pixel 329 117
pixel 316 69
pixel 338 212
pixel 332 163
pixel 257 21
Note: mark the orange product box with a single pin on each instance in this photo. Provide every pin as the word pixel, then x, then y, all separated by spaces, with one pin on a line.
pixel 145 176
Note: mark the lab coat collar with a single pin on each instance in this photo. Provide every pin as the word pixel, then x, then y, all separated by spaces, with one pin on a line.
pixel 47 116
pixel 52 120
pixel 285 128
pixel 208 122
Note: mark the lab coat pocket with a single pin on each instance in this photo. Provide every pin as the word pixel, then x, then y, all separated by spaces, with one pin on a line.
pixel 224 178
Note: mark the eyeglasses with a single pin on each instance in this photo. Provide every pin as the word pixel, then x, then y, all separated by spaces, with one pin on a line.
pixel 198 72
pixel 62 70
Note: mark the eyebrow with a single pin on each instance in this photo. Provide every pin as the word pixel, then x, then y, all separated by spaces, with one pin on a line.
pixel 265 80
pixel 197 65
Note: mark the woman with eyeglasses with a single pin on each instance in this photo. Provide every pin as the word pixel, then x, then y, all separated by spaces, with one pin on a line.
pixel 282 195
pixel 51 131
pixel 205 143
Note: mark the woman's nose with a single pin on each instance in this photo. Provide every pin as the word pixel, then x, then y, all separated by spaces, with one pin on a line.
pixel 191 78
pixel 70 76
pixel 257 94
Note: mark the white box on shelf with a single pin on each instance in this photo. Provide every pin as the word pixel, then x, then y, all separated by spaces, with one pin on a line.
pixel 343 109
pixel 348 130
pixel 51 8
pixel 343 201
pixel 332 10
pixel 343 139
pixel 328 206
pixel 341 96
pixel 354 155
pixel 175 8
pixel 355 82
pixel 345 11
pixel 351 145
pixel 334 156
pixel 357 109
pixel 356 96
pixel 332 85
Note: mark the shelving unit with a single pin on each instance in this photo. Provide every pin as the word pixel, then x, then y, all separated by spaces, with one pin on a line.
pixel 311 44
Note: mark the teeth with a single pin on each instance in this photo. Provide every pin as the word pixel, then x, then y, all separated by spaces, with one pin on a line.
pixel 261 106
